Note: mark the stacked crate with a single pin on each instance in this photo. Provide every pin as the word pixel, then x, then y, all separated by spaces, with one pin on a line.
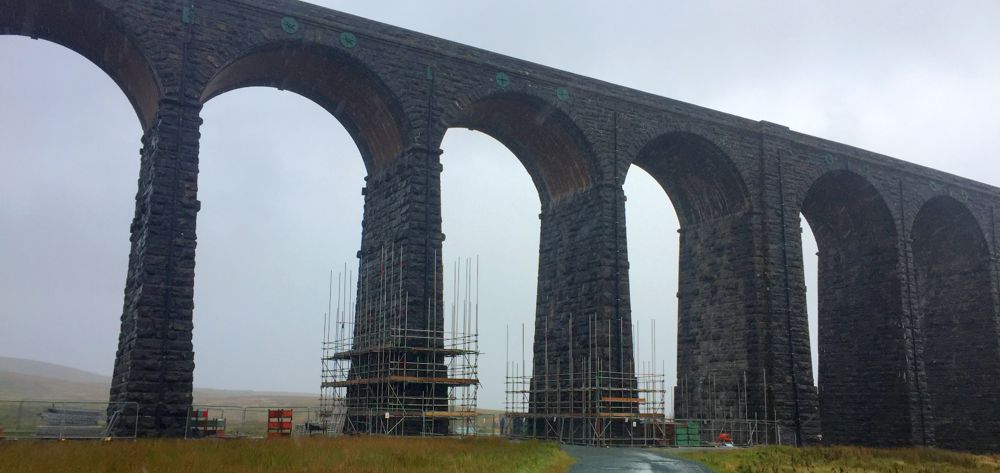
pixel 62 422
pixel 688 435
pixel 202 426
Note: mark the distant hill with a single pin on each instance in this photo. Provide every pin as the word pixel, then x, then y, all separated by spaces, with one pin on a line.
pixel 30 379
pixel 17 386
pixel 50 370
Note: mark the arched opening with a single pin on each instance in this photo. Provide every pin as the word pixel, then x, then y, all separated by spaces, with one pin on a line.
pixel 862 362
pixel 810 269
pixel 91 30
pixel 957 307
pixel 558 158
pixel 281 207
pixel 653 275
pixel 710 199
pixel 489 212
pixel 343 86
pixel 282 204
pixel 67 199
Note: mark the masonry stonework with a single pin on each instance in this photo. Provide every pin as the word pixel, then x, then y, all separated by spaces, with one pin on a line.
pixel 909 288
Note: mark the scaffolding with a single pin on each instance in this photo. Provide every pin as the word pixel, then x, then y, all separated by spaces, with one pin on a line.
pixel 587 396
pixel 387 372
pixel 589 403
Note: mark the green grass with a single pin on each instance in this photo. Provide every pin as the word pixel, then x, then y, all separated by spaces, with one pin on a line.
pixel 842 460
pixel 307 455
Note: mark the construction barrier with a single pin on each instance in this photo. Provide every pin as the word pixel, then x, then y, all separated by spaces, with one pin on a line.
pixel 279 423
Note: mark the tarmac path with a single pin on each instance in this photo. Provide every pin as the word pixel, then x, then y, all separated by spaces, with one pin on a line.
pixel 596 459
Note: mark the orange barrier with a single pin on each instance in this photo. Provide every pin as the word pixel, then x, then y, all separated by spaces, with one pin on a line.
pixel 279 423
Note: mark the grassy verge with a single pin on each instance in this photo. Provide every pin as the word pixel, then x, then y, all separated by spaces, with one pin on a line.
pixel 842 460
pixel 361 455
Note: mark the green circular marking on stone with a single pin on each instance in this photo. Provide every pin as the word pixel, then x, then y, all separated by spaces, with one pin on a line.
pixel 965 195
pixel 348 39
pixel 502 79
pixel 562 93
pixel 187 15
pixel 290 25
pixel 828 158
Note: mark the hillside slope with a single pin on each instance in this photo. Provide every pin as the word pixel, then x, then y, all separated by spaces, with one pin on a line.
pixel 49 370
pixel 30 379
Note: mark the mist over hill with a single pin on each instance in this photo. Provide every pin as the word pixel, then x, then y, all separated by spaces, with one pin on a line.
pixel 38 380
pixel 50 370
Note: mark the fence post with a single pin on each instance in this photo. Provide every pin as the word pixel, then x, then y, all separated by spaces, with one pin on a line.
pixel 243 421
pixel 62 424
pixel 17 422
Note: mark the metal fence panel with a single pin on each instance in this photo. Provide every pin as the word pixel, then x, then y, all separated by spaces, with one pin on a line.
pixel 248 422
pixel 46 419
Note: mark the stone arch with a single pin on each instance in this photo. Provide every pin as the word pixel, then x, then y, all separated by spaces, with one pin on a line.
pixel 93 31
pixel 862 357
pixel 958 323
pixel 701 180
pixel 546 140
pixel 341 84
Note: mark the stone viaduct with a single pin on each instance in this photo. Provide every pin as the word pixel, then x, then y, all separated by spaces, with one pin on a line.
pixel 908 269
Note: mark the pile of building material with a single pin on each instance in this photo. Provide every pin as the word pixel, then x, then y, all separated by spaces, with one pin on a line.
pixel 61 422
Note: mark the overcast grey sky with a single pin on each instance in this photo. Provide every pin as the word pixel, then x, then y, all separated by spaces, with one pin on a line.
pixel 280 179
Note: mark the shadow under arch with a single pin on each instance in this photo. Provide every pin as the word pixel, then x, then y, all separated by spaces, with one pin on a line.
pixel 342 85
pixel 862 357
pixel 91 30
pixel 957 307
pixel 548 143
pixel 700 179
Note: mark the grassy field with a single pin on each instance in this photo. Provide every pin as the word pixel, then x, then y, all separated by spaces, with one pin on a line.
pixel 842 460
pixel 361 455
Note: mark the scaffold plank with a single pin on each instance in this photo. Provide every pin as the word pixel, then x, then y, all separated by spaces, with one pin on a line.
pixel 595 415
pixel 448 352
pixel 449 414
pixel 402 379
pixel 632 400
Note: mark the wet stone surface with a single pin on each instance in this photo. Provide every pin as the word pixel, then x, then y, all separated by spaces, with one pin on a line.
pixel 596 459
